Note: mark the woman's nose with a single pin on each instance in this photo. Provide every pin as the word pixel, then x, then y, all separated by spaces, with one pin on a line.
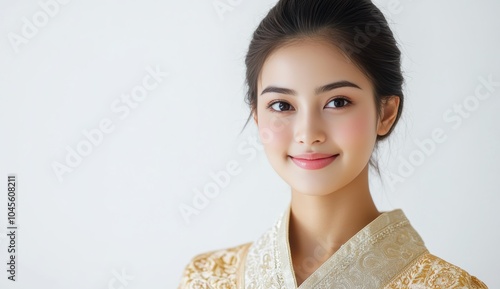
pixel 309 128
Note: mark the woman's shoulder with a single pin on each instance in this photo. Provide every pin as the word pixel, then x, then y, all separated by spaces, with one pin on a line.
pixel 215 268
pixel 430 271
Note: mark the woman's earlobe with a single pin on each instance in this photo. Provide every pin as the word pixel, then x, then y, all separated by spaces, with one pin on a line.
pixel 255 118
pixel 388 114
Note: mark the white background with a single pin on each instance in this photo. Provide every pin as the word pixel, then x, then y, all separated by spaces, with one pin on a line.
pixel 117 211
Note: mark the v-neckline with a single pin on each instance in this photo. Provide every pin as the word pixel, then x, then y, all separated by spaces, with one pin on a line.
pixel 341 257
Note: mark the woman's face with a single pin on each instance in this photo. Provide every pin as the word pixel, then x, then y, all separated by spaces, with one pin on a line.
pixel 339 120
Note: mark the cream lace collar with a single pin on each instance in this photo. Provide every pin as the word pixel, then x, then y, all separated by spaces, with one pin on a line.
pixel 371 258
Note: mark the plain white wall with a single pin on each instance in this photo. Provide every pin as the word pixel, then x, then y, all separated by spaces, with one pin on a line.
pixel 118 210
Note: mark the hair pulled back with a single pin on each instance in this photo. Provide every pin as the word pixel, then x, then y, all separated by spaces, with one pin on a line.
pixel 357 27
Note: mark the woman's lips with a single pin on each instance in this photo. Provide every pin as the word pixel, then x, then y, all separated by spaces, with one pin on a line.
pixel 313 164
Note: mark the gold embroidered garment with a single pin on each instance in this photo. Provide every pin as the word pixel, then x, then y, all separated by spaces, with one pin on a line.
pixel 387 253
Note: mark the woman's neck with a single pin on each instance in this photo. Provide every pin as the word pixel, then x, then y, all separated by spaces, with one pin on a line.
pixel 319 225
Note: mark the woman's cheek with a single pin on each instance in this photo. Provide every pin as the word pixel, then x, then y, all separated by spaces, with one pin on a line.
pixel 272 135
pixel 355 131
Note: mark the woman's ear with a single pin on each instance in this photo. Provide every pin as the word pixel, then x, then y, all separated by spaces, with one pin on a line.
pixel 254 113
pixel 389 111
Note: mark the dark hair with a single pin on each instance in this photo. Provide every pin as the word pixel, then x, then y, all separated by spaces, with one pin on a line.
pixel 357 27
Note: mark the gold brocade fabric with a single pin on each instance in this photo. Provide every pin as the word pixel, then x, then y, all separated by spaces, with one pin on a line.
pixel 388 253
pixel 429 271
pixel 216 269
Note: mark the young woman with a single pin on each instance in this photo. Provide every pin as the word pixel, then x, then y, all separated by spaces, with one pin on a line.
pixel 325 86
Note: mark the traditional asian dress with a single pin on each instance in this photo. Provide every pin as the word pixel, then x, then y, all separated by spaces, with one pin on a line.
pixel 387 253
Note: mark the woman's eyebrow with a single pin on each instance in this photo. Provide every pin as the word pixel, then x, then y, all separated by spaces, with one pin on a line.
pixel 318 90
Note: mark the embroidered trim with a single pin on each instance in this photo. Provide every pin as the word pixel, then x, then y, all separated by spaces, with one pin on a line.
pixel 387 251
pixel 215 269
pixel 372 256
pixel 429 271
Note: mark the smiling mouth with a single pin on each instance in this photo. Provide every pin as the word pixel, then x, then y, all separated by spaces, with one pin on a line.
pixel 314 164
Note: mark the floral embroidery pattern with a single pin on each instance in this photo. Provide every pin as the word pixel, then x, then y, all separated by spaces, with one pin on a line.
pixel 388 254
pixel 214 270
pixel 430 271
pixel 262 263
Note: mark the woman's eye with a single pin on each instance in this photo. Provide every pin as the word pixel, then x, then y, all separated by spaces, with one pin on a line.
pixel 280 106
pixel 339 102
